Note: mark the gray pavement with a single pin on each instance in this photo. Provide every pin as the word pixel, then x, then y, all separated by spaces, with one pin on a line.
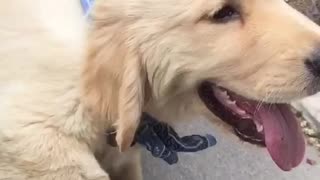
pixel 229 160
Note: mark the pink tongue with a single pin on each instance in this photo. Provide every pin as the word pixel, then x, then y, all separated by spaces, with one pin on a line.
pixel 283 136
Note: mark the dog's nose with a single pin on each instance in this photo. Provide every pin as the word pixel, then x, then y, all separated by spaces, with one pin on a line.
pixel 313 65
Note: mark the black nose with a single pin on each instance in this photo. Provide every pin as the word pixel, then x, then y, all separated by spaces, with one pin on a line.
pixel 313 65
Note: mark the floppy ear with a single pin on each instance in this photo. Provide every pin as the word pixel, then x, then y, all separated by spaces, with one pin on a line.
pixel 131 100
pixel 114 79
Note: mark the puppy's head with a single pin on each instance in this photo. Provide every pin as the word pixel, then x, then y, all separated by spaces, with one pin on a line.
pixel 222 50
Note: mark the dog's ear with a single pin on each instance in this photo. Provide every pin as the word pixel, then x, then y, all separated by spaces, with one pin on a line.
pixel 114 78
pixel 131 100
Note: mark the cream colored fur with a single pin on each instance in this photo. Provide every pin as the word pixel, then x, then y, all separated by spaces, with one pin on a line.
pixel 45 133
pixel 57 99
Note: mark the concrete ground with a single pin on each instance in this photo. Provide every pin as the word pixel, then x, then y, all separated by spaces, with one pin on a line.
pixel 309 7
pixel 229 160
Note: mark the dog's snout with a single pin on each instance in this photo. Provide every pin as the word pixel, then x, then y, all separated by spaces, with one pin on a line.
pixel 313 64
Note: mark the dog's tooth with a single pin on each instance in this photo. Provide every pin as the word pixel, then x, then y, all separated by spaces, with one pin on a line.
pixel 259 128
pixel 244 114
pixel 241 112
pixel 225 94
pixel 304 124
pixel 229 102
pixel 232 102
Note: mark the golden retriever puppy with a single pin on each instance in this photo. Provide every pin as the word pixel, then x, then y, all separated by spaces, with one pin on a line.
pixel 240 60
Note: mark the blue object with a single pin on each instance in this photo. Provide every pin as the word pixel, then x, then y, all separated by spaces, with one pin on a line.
pixel 159 138
pixel 163 142
pixel 86 6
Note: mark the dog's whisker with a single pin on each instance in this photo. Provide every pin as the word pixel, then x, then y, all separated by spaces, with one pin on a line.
pixel 264 99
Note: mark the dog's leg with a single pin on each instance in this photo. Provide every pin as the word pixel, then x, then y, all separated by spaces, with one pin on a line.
pixel 48 156
pixel 84 169
pixel 69 173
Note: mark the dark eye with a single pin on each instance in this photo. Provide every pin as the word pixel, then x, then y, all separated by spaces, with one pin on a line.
pixel 225 14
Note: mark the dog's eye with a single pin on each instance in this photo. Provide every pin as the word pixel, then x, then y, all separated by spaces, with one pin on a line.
pixel 225 14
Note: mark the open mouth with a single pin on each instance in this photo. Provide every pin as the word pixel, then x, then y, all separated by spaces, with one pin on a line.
pixel 271 125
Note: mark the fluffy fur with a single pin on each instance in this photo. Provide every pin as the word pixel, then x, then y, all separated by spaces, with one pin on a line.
pixel 62 87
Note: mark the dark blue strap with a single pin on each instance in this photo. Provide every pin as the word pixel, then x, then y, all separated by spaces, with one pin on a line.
pixel 151 141
pixel 163 142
